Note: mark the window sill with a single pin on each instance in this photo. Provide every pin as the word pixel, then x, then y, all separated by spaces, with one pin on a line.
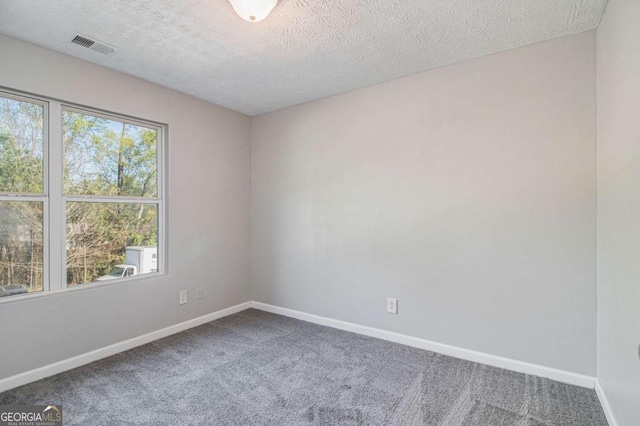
pixel 80 287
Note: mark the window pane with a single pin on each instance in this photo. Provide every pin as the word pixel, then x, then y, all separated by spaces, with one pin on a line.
pixel 20 247
pixel 107 241
pixel 21 146
pixel 108 157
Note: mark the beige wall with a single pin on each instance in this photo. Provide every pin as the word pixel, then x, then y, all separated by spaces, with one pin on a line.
pixel 467 192
pixel 209 191
pixel 619 209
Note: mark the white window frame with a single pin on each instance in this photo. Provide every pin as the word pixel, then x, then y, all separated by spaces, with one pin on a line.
pixel 54 200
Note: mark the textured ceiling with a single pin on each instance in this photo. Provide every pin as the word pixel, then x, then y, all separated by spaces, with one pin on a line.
pixel 306 49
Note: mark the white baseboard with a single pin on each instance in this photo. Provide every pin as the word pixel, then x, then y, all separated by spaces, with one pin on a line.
pixel 86 358
pixel 456 352
pixel 466 354
pixel 605 405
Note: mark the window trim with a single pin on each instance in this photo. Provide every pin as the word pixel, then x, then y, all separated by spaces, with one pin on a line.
pixel 54 200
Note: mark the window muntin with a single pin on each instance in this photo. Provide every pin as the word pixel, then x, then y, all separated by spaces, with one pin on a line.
pixel 37 179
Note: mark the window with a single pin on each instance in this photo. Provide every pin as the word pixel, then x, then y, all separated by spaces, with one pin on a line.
pixel 80 196
pixel 22 195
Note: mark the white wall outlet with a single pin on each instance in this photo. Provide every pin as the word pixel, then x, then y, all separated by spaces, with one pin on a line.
pixel 200 293
pixel 183 297
pixel 392 306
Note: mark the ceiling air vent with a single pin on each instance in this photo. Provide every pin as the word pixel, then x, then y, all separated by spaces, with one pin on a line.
pixel 96 46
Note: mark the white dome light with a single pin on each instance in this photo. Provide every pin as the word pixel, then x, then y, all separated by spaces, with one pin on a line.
pixel 253 10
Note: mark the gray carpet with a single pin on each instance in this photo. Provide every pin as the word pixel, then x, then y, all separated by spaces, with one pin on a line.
pixel 255 368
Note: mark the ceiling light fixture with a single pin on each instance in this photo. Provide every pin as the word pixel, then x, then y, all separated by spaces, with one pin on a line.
pixel 253 10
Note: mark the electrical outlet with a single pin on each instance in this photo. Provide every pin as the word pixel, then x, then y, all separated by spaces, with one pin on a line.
pixel 200 293
pixel 183 297
pixel 392 306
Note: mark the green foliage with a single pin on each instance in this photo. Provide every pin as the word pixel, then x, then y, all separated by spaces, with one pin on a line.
pixel 106 157
pixel 21 147
pixel 18 170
